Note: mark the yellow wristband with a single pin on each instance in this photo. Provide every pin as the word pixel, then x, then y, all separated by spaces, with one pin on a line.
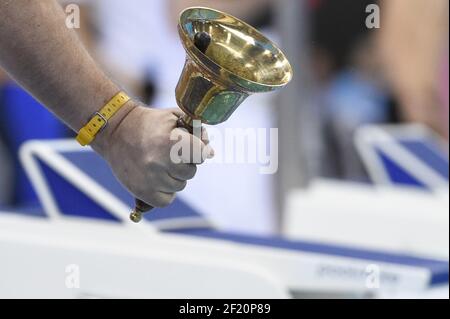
pixel 100 119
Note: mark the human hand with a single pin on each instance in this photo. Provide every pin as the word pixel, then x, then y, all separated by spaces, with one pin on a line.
pixel 138 150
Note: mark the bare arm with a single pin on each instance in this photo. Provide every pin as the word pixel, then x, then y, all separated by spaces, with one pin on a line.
pixel 47 59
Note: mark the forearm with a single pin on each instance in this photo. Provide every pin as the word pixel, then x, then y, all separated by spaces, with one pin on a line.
pixel 47 59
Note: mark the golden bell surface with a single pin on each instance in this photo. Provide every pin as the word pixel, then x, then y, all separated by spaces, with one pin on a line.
pixel 227 60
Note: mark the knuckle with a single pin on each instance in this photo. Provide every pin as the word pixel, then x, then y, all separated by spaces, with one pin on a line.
pixel 158 202
pixel 161 199
pixel 184 171
pixel 182 186
pixel 191 171
pixel 166 200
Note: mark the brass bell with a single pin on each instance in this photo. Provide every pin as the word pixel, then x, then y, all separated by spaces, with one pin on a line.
pixel 226 61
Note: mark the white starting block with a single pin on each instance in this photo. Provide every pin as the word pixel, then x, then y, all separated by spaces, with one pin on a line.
pixel 174 252
pixel 408 155
pixel 386 218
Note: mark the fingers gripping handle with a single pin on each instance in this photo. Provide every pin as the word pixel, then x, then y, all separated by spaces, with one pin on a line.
pixel 141 207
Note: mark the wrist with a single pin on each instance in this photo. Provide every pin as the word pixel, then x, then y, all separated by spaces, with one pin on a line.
pixel 103 138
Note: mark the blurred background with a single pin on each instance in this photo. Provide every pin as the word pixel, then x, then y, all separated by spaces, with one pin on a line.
pixel 366 111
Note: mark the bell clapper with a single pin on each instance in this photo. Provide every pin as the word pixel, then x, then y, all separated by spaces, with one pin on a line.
pixel 202 40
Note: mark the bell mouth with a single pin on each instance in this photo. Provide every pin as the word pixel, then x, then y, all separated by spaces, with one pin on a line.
pixel 236 51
